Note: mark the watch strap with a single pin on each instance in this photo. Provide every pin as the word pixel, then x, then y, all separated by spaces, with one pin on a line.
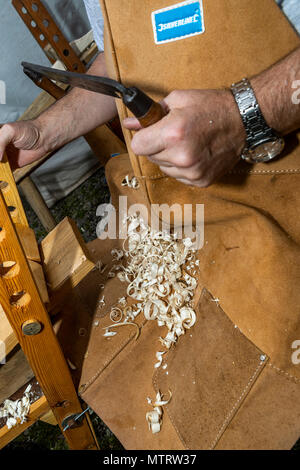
pixel 254 122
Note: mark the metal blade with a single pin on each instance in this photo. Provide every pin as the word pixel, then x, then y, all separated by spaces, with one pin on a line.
pixel 102 85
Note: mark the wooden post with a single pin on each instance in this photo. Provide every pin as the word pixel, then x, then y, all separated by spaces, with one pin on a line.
pixel 37 203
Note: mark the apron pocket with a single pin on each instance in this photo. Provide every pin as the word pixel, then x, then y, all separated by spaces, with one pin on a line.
pixel 210 372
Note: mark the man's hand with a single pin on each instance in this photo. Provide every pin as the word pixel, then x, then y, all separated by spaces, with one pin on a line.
pixel 22 141
pixel 203 136
pixel 76 114
pixel 200 139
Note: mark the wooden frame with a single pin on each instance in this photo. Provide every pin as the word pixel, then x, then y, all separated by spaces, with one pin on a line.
pixel 22 303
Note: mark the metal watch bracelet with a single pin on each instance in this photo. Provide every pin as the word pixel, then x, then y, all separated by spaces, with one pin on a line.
pixel 255 125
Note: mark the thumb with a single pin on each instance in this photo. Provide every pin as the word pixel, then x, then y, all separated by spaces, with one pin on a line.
pixel 6 136
pixel 23 135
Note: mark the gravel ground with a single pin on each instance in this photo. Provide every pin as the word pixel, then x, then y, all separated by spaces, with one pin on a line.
pixel 80 205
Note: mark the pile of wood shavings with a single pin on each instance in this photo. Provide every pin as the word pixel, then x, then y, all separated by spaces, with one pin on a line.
pixel 16 410
pixel 158 272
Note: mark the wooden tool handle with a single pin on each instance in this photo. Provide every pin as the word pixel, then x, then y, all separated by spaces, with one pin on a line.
pixel 155 114
pixel 54 90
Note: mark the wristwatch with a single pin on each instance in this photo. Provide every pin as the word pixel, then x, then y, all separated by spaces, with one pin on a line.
pixel 263 143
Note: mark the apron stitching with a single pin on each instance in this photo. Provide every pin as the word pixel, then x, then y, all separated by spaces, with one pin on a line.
pixel 289 376
pixel 236 172
pixel 234 409
pixel 109 360
pixel 262 172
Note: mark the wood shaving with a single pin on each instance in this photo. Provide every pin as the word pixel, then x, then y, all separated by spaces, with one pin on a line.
pixel 17 410
pixel 117 254
pixel 133 183
pixel 100 266
pixel 154 417
pixel 159 356
pixel 122 324
pixel 71 365
pixel 116 314
pixel 108 334
pixel 122 301
pixel 101 302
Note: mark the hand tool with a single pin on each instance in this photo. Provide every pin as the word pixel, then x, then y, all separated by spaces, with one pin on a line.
pixel 141 105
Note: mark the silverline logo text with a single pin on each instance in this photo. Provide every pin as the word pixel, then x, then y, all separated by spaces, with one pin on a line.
pixel 177 23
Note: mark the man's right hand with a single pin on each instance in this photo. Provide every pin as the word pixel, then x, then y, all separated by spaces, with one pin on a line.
pixel 22 141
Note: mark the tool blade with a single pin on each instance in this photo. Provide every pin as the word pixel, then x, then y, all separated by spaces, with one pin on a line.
pixel 97 84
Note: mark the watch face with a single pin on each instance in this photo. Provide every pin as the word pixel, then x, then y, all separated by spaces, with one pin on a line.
pixel 263 152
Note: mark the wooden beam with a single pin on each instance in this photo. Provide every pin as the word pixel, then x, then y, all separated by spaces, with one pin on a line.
pixel 37 203
pixel 10 193
pixel 28 317
pixel 50 31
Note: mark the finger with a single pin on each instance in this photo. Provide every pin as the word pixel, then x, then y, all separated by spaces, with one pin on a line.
pixel 192 174
pixel 149 141
pixel 175 157
pixel 6 136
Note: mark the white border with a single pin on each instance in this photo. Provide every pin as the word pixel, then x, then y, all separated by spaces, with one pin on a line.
pixel 172 7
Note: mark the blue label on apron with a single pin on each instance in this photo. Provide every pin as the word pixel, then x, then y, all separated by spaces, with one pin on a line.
pixel 178 21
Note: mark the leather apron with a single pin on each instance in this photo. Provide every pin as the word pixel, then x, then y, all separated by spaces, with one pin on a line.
pixel 234 381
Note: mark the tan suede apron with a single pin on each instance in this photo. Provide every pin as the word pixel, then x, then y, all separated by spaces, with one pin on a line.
pixel 234 382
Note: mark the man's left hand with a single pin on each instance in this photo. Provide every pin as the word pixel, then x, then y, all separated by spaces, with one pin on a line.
pixel 199 140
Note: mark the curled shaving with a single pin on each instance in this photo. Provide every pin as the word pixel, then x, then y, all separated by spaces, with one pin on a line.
pixel 17 410
pixel 154 417
pixel 122 324
pixel 156 277
pixel 133 183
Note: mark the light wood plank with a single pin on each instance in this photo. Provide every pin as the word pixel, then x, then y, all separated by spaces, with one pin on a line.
pixel 49 418
pixel 8 338
pixel 30 246
pixel 81 44
pixel 14 374
pixel 65 256
pixel 37 409
pixel 38 275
